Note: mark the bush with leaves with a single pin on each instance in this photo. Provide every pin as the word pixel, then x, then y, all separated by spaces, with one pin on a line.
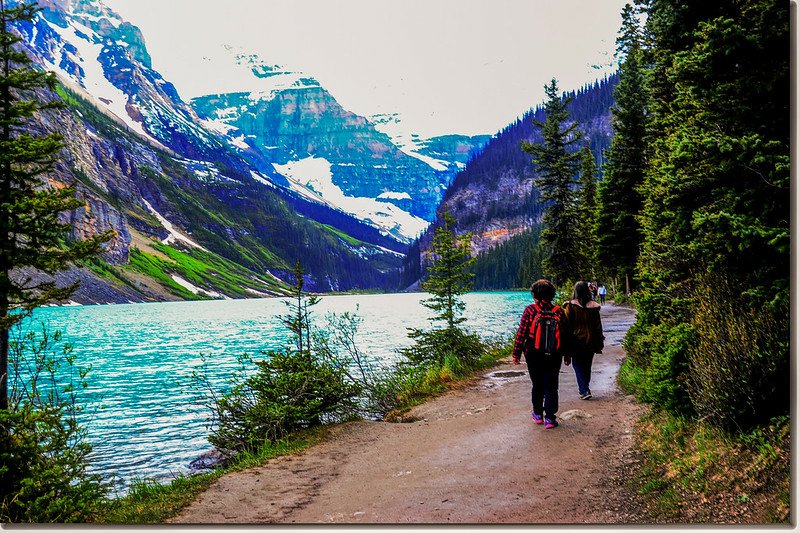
pixel 665 378
pixel 432 347
pixel 291 388
pixel 289 391
pixel 380 383
pixel 740 366
pixel 43 449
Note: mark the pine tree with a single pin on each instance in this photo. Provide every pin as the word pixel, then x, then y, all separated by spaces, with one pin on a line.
pixel 717 193
pixel 588 204
pixel 619 200
pixel 712 306
pixel 31 234
pixel 557 167
pixel 298 321
pixel 449 274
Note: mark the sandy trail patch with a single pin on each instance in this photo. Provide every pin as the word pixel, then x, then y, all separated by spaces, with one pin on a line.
pixel 473 457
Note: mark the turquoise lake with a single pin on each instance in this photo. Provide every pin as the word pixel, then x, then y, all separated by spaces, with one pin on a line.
pixel 144 419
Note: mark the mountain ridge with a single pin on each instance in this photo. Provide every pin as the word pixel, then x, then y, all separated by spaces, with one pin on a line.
pixel 137 182
pixel 494 196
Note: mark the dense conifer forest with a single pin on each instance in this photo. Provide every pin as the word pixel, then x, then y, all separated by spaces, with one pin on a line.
pixel 502 155
pixel 511 265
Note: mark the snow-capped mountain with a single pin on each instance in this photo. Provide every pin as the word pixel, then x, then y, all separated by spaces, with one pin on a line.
pixel 446 153
pixel 283 117
pixel 292 120
pixel 262 177
pixel 174 187
pixel 104 58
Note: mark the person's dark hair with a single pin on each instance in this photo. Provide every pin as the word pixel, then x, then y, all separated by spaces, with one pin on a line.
pixel 543 290
pixel 581 293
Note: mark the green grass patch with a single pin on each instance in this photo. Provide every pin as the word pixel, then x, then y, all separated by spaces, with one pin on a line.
pixel 630 378
pixel 157 269
pixel 352 241
pixel 202 269
pixel 423 383
pixel 207 269
pixel 691 472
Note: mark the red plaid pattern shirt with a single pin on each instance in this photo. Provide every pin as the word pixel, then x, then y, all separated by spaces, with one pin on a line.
pixel 525 325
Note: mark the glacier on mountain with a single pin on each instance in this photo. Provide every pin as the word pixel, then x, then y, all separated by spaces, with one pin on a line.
pixel 314 173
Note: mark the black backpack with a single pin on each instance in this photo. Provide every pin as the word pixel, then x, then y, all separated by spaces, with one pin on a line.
pixel 544 334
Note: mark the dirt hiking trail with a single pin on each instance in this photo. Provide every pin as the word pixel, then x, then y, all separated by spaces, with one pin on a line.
pixel 472 457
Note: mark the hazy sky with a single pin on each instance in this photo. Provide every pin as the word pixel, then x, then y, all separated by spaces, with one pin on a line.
pixel 447 66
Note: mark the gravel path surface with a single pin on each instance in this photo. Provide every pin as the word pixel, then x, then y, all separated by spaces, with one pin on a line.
pixel 472 457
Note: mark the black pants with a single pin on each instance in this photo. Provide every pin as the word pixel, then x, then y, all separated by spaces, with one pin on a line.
pixel 544 382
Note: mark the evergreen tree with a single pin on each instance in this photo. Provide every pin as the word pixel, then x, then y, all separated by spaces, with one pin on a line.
pixel 514 264
pixel 588 204
pixel 31 234
pixel 619 200
pixel 449 274
pixel 712 306
pixel 556 181
pixel 717 191
pixel 298 321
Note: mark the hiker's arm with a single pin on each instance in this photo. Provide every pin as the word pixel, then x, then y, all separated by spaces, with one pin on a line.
pixel 519 340
pixel 566 333
pixel 598 335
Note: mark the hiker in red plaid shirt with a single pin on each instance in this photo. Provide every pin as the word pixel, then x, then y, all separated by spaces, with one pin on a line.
pixel 544 364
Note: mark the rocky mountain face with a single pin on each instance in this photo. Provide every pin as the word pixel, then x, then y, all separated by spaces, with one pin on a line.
pixel 197 213
pixel 94 51
pixel 220 197
pixel 337 155
pixel 184 229
pixel 494 196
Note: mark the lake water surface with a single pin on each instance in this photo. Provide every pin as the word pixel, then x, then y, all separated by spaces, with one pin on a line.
pixel 143 418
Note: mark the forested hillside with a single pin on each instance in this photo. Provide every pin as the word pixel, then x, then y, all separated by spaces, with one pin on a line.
pixel 496 186
pixel 494 196
pixel 714 215
pixel 704 93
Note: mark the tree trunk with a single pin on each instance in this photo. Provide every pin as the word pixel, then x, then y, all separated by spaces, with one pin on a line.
pixel 3 369
pixel 4 308
pixel 5 229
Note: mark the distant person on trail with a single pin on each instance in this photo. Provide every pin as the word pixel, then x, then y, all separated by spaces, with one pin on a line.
pixel 583 335
pixel 593 290
pixel 601 292
pixel 539 337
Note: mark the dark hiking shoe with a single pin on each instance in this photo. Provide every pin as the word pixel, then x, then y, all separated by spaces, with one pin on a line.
pixel 586 395
pixel 550 423
pixel 537 419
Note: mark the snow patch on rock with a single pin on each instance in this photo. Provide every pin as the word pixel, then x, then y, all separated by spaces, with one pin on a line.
pixel 314 174
pixel 194 289
pixel 174 234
